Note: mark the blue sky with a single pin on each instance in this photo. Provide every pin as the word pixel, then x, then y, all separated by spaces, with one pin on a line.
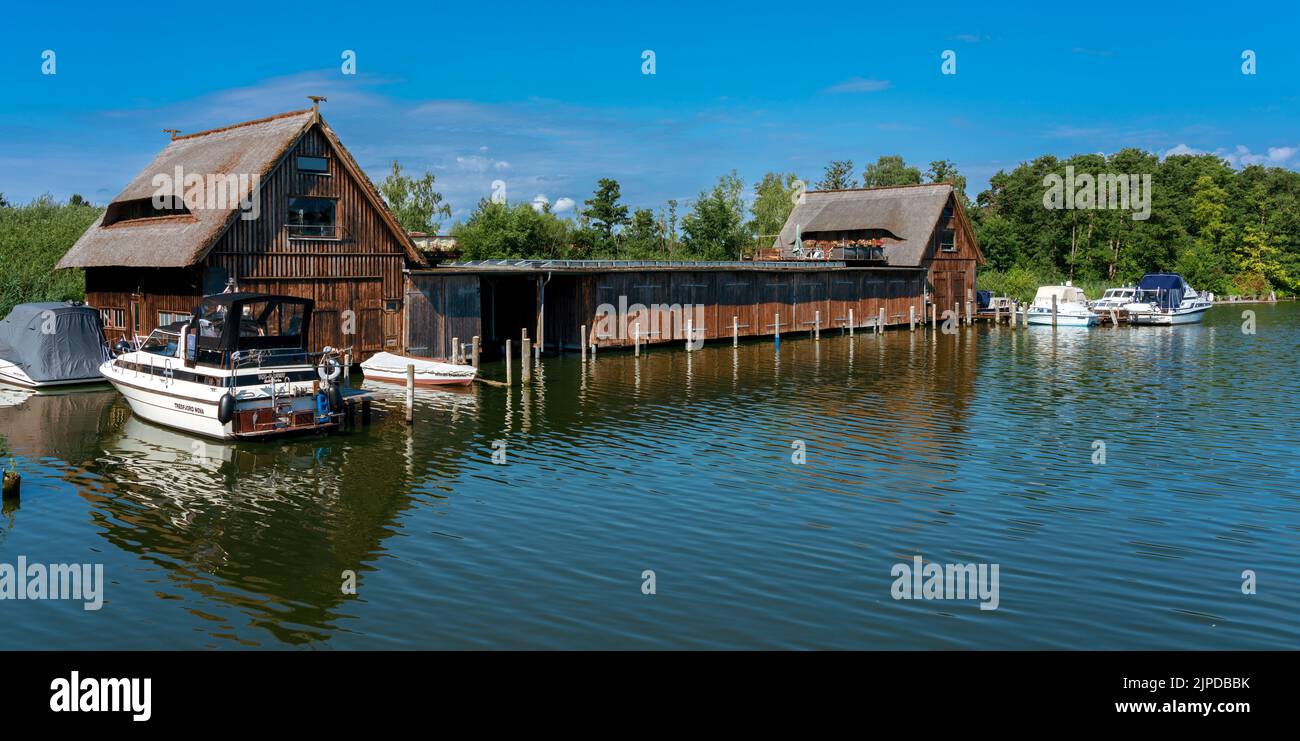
pixel 549 99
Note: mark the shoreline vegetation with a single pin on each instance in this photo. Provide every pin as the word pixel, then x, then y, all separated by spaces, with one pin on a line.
pixel 1228 231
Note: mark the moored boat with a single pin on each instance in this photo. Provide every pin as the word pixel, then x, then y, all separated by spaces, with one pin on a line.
pixel 239 368
pixel 44 345
pixel 1070 308
pixel 1166 299
pixel 1113 298
pixel 428 372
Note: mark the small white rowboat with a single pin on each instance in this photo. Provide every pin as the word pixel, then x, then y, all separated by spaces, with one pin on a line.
pixel 392 368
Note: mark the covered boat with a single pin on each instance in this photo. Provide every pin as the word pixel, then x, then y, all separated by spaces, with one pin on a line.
pixel 428 372
pixel 51 344
pixel 1166 298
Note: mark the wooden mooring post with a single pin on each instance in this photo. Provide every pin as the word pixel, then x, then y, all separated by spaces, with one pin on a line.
pixel 850 322
pixel 817 325
pixel 1053 310
pixel 455 350
pixel 636 339
pixel 911 318
pixel 410 393
pixel 582 342
pixel 690 334
pixel 525 361
pixel 880 322
pixel 509 361
pixel 934 317
pixel 474 351
pixel 735 331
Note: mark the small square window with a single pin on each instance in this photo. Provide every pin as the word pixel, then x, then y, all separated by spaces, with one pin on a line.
pixel 166 318
pixel 315 165
pixel 113 318
pixel 948 240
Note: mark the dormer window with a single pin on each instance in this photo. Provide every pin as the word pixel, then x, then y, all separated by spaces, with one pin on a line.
pixel 313 165
pixel 143 208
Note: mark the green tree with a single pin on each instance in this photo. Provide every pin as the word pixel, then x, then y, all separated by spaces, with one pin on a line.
pixel 414 202
pixel 890 170
pixel 512 231
pixel 838 176
pixel 945 171
pixel 715 226
pixel 603 208
pixel 773 201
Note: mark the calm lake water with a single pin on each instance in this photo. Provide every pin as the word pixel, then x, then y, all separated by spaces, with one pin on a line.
pixel 974 448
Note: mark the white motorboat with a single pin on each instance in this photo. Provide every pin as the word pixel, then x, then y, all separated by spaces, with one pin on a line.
pixel 1113 298
pixel 1071 307
pixel 239 368
pixel 1167 299
pixel 51 344
pixel 428 372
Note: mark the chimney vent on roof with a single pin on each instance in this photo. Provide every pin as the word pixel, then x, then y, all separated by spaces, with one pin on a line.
pixel 173 132
pixel 316 100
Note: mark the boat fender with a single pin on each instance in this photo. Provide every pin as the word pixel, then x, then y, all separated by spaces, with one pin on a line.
pixel 329 369
pixel 335 397
pixel 322 407
pixel 226 408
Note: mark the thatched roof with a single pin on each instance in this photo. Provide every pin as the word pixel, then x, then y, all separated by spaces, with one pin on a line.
pixel 254 147
pixel 909 213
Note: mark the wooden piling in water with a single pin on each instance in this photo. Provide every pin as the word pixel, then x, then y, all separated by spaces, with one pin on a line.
pixel 880 322
pixel 777 330
pixel 636 339
pixel 911 318
pixel 850 322
pixel 455 350
pixel 690 334
pixel 474 351
pixel 410 393
pixel 735 331
pixel 582 343
pixel 525 361
pixel 817 325
pixel 509 361
pixel 1053 310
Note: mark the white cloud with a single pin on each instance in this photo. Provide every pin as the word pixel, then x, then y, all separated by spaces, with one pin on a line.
pixel 858 85
pixel 1241 155
pixel 540 202
pixel 563 204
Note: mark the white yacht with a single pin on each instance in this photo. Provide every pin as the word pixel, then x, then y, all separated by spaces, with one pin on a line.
pixel 1071 307
pixel 239 368
pixel 1113 298
pixel 1165 298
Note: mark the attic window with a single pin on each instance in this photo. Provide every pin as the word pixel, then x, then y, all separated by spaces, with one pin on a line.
pixel 947 240
pixel 143 208
pixel 314 165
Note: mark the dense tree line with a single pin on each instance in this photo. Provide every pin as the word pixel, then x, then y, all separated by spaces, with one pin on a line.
pixel 1230 231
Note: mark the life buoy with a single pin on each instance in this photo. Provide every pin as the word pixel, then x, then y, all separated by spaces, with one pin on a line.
pixel 226 408
pixel 329 369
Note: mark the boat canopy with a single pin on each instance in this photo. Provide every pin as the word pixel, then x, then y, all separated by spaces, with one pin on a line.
pixel 53 341
pixel 229 322
pixel 1063 294
pixel 1165 290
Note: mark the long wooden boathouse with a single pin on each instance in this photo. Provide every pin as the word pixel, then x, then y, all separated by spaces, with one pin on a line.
pixel 843 256
pixel 278 205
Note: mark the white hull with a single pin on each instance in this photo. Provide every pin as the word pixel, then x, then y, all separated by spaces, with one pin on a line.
pixel 392 368
pixel 12 374
pixel 1062 321
pixel 1169 318
pixel 192 407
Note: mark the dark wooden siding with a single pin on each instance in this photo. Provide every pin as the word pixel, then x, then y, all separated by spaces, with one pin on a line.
pixel 440 308
pixel 355 278
pixel 952 273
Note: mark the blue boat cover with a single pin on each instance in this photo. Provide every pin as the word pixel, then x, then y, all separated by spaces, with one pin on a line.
pixel 1165 290
pixel 983 298
pixel 53 341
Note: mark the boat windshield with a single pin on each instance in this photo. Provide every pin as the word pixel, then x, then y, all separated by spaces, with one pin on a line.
pixel 161 343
